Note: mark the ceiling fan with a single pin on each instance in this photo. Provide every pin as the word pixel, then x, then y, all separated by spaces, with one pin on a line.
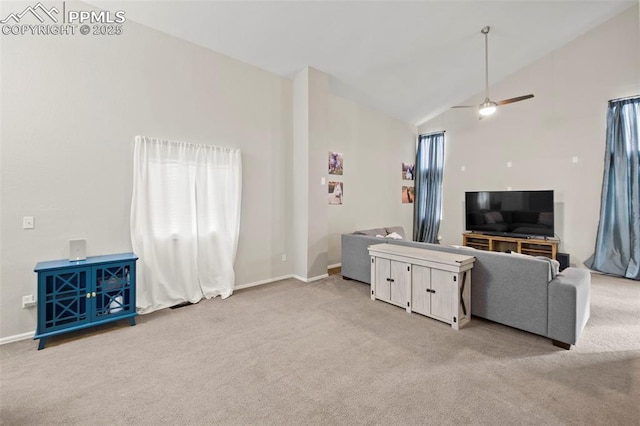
pixel 488 107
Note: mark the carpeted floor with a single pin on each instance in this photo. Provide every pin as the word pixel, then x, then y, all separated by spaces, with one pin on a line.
pixel 324 353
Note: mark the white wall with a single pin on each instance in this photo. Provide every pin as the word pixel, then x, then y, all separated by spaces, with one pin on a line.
pixel 566 119
pixel 71 107
pixel 374 147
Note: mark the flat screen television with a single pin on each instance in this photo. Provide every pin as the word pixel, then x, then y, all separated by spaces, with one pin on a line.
pixel 517 213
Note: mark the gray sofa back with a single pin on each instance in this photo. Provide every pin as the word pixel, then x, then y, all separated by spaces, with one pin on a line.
pixel 518 287
pixel 504 288
pixel 510 289
pixel 355 256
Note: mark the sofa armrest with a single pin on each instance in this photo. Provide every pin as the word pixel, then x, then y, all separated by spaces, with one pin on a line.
pixel 569 304
pixel 356 262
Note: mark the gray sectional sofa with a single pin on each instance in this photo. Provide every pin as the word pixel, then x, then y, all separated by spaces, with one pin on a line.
pixel 514 290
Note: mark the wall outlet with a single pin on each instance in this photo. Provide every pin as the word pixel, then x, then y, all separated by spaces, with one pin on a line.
pixel 28 301
pixel 284 257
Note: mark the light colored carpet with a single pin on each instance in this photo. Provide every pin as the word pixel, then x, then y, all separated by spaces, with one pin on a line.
pixel 324 353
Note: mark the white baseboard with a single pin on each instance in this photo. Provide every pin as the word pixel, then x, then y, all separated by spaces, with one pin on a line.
pixel 17 337
pixel 284 277
pixel 312 279
pixel 30 334
pixel 335 265
pixel 256 283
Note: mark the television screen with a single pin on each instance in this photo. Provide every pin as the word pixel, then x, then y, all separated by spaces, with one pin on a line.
pixel 521 213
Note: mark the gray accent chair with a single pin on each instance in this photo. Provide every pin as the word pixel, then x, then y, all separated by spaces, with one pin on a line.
pixel 509 289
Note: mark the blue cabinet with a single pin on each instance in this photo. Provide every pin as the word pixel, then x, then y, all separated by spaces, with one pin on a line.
pixel 73 295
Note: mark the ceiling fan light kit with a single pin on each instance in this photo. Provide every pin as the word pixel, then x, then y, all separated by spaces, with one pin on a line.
pixel 488 107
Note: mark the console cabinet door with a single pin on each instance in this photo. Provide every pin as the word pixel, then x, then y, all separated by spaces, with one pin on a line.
pixel 400 282
pixel 442 294
pixel 392 281
pixel 420 286
pixel 382 282
pixel 432 293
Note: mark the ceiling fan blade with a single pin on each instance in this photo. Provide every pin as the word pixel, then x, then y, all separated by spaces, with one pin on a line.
pixel 512 100
pixel 465 106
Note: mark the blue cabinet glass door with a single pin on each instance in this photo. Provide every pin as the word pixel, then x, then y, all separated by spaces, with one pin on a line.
pixel 66 298
pixel 113 290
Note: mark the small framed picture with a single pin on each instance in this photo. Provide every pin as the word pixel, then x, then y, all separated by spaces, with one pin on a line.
pixel 407 194
pixel 336 163
pixel 336 192
pixel 407 171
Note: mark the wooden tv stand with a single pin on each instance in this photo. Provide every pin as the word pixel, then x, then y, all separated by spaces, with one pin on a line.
pixel 530 246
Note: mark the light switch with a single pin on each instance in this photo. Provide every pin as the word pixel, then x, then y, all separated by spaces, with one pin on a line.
pixel 27 222
pixel 574 160
pixel 322 181
pixel 509 164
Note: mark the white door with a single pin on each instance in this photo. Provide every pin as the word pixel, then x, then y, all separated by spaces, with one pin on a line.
pixel 443 288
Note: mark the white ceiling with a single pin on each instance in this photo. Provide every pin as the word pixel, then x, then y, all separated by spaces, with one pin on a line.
pixel 411 60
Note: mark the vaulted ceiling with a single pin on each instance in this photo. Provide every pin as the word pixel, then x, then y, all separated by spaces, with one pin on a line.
pixel 411 60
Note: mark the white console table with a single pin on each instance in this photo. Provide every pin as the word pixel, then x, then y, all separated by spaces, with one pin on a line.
pixel 429 282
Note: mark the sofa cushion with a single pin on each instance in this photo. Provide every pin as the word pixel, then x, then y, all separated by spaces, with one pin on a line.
pixel 372 232
pixel 396 229
pixel 396 232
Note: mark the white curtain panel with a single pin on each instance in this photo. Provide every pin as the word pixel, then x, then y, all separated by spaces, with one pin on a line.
pixel 185 221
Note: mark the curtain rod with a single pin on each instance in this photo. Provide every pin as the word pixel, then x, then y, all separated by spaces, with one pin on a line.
pixel 625 98
pixel 432 133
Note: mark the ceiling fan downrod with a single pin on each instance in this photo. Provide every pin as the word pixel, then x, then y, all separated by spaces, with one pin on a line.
pixel 485 31
pixel 487 107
